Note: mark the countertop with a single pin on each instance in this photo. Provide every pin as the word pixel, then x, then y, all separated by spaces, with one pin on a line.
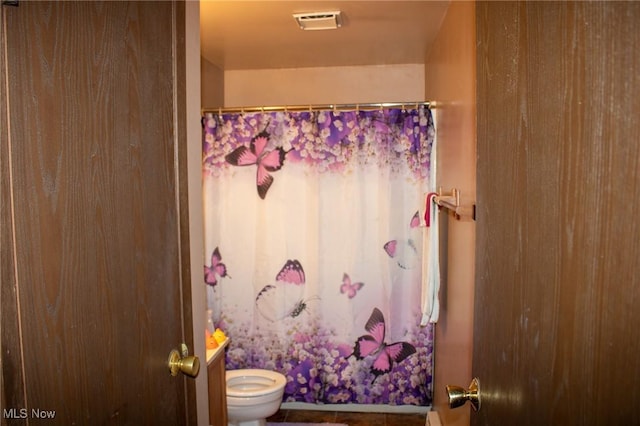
pixel 214 353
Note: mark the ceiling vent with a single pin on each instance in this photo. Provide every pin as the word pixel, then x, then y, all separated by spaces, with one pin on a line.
pixel 318 20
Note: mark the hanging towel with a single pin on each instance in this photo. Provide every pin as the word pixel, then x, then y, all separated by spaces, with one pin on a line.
pixel 430 264
pixel 431 251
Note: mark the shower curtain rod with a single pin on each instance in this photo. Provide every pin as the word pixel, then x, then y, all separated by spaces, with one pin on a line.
pixel 334 107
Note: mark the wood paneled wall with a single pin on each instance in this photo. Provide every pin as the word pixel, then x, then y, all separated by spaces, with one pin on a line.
pixel 94 219
pixel 556 340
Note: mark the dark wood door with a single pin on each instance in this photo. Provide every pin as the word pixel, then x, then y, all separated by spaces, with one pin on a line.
pixel 556 340
pixel 94 294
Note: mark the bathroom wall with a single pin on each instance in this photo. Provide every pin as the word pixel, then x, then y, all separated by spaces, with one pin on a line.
pixel 450 80
pixel 212 90
pixel 324 85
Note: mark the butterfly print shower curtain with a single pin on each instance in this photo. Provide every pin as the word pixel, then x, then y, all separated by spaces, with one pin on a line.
pixel 313 249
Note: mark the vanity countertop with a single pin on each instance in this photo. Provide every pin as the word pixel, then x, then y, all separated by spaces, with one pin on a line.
pixel 214 353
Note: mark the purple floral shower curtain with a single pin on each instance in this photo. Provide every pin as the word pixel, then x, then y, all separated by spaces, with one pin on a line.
pixel 314 248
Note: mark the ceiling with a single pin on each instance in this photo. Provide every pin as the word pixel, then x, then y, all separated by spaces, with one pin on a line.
pixel 240 34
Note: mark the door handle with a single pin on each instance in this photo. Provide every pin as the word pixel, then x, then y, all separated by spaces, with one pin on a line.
pixel 458 395
pixel 182 362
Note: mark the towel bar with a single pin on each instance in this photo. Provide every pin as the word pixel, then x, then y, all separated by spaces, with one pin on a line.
pixel 451 201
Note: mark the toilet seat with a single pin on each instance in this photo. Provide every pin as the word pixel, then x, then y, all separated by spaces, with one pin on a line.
pixel 253 395
pixel 251 383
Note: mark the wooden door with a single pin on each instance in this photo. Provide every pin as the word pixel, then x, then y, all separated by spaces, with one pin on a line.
pixel 95 284
pixel 556 340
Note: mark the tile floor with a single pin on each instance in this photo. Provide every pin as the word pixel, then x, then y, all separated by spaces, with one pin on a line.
pixel 349 418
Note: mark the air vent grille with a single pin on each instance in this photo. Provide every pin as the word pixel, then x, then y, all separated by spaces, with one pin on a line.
pixel 319 20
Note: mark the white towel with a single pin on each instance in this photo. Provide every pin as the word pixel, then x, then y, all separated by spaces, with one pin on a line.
pixel 431 251
pixel 430 265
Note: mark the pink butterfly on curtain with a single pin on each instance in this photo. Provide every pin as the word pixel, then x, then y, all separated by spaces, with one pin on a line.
pixel 348 287
pixel 284 298
pixel 373 345
pixel 405 251
pixel 266 161
pixel 217 269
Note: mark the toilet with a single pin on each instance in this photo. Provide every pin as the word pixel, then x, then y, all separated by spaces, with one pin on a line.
pixel 253 395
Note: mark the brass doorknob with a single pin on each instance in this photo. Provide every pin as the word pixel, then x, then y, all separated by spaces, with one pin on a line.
pixel 189 365
pixel 458 395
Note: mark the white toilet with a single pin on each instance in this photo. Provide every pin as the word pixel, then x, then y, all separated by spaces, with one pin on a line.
pixel 253 395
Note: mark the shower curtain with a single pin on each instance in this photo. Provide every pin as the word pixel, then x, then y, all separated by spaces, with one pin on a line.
pixel 313 246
